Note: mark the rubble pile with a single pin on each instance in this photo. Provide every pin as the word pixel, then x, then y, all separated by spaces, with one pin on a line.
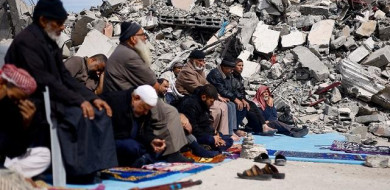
pixel 326 60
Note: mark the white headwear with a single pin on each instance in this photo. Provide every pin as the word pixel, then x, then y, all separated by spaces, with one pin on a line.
pixel 147 94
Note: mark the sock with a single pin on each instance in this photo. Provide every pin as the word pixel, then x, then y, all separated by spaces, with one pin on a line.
pixel 177 157
pixel 200 151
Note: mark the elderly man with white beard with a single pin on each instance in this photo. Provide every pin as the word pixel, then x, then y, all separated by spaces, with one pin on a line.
pixel 129 66
pixel 35 50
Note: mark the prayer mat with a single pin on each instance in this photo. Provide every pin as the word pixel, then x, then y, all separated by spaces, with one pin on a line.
pixel 317 155
pixel 177 167
pixel 216 159
pixel 352 147
pixel 233 152
pixel 134 174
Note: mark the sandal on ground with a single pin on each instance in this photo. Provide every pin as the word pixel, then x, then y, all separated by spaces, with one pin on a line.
pixel 263 158
pixel 271 169
pixel 254 173
pixel 280 160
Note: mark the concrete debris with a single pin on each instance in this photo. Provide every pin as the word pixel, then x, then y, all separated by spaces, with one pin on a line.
pixel 276 71
pixel 14 17
pixel 379 58
pixel 249 149
pixel 237 10
pixel 350 44
pixel 295 38
pixel 250 68
pixel 314 10
pixel 366 29
pixel 337 43
pixel 186 5
pixel 80 31
pixel 377 161
pixel 95 42
pixel 4 45
pixel 264 39
pixel 308 60
pixel 320 33
pixel 358 54
pixel 380 129
pixel 336 96
pixel 247 24
pixel 370 118
pixel 379 15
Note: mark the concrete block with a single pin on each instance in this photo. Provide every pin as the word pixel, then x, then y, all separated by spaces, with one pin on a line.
pixel 308 60
pixel 237 10
pixel 353 138
pixel 149 22
pixel 248 25
pixel 338 42
pixel 380 129
pixel 377 161
pixel 186 5
pixel 264 39
pixel 314 10
pixel 379 58
pixel 95 42
pixel 346 31
pixel 379 15
pixel 276 71
pixel 358 54
pixel 359 130
pixel 295 38
pixel 370 118
pixel 350 44
pixel 250 68
pixel 336 96
pixel 310 118
pixel 310 110
pixel 366 29
pixel 320 34
pixel 80 29
pixel 331 111
pixel 369 43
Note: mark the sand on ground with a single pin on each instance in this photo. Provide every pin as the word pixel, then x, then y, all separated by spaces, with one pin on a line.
pixel 299 176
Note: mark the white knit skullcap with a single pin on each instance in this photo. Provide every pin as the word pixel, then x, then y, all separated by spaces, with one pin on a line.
pixel 147 94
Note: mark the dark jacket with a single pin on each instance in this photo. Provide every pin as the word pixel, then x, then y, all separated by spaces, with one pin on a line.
pixel 34 51
pixel 123 117
pixel 240 88
pixel 225 85
pixel 198 114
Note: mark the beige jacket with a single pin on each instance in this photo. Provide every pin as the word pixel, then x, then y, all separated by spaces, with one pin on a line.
pixel 188 79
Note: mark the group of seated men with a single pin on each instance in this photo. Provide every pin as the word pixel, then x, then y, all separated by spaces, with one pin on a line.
pixel 115 112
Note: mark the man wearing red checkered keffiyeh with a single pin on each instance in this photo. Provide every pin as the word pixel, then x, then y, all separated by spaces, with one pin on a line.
pixel 16 114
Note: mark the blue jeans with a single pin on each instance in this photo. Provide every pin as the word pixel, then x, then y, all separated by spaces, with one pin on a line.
pixel 128 151
pixel 232 117
pixel 209 140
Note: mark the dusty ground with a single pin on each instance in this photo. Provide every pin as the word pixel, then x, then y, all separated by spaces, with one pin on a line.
pixel 299 176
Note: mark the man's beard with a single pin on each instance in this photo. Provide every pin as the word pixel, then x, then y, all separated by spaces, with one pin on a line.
pixel 143 51
pixel 51 33
pixel 198 68
pixel 266 98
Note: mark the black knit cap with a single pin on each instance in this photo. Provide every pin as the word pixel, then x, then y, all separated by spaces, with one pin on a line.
pixel 197 54
pixel 128 29
pixel 51 9
pixel 228 62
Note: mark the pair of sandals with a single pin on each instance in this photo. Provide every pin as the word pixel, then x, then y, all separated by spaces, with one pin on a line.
pixel 267 173
pixel 280 160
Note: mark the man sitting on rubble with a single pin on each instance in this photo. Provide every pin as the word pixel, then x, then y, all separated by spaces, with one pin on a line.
pixel 265 102
pixel 192 76
pixel 129 66
pixel 255 118
pixel 192 143
pixel 16 114
pixel 35 50
pixel 221 78
pixel 196 108
pixel 88 70
pixel 172 95
pixel 136 144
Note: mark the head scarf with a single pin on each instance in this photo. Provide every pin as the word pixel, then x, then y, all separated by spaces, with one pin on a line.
pixel 18 77
pixel 259 99
pixel 147 94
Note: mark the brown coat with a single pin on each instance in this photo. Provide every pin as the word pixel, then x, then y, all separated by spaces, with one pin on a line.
pixel 189 79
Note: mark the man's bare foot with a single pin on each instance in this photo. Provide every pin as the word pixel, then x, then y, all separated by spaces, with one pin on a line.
pixel 267 129
pixel 240 133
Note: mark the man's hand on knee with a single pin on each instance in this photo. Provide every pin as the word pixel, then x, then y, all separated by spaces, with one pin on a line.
pixel 101 104
pixel 87 109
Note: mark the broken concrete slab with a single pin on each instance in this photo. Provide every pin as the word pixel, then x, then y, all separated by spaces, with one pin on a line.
pixel 366 29
pixel 308 60
pixel 382 98
pixel 358 129
pixel 304 21
pixel 370 118
pixel 338 42
pixel 369 43
pixel 355 138
pixel 379 15
pixel 149 22
pixel 380 129
pixel 295 38
pixel 250 68
pixel 186 5
pixel 80 30
pixel 320 34
pixel 247 24
pixel 350 44
pixel 384 30
pixel 358 54
pixel 357 81
pixel 237 10
pixel 264 39
pixel 95 42
pixel 314 10
pixel 276 71
pixel 336 96
pixel 379 58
